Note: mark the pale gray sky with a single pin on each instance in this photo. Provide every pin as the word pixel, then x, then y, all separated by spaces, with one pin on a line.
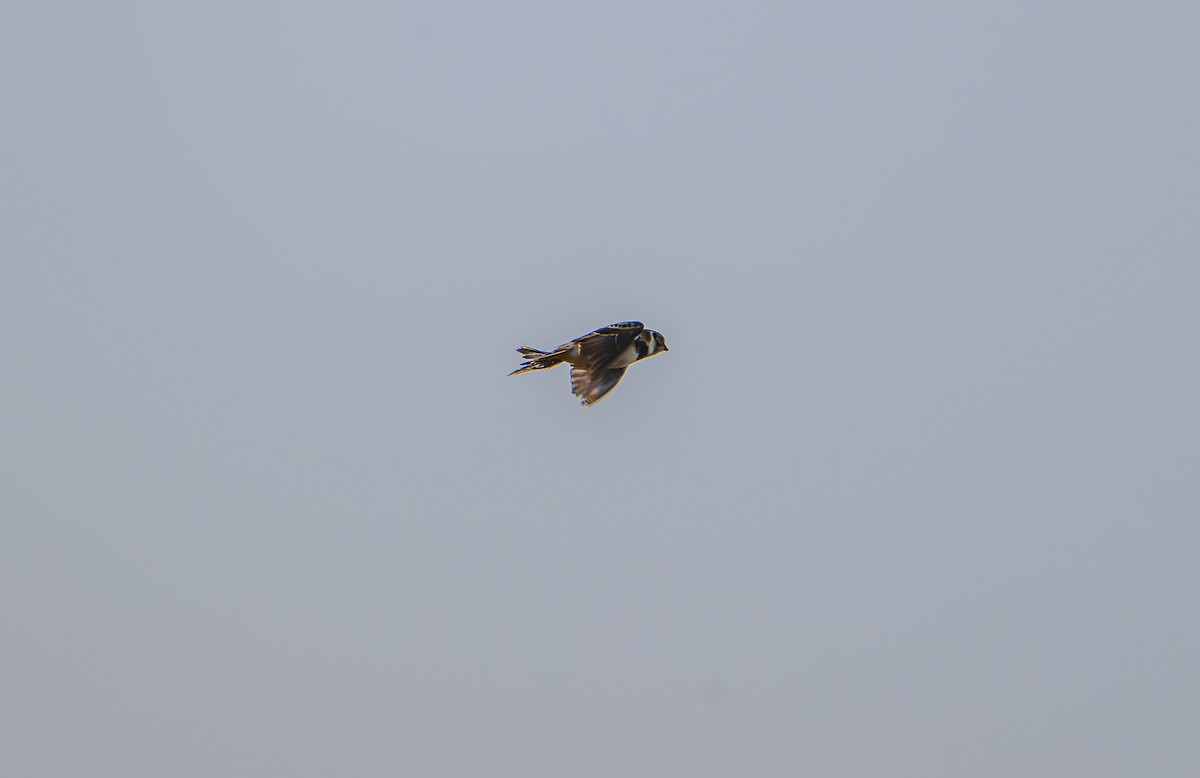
pixel 915 492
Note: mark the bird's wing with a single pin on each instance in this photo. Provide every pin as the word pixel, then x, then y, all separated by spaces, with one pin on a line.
pixel 634 326
pixel 601 347
pixel 590 385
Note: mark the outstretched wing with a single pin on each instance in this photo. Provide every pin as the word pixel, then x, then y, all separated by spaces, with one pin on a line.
pixel 601 347
pixel 590 384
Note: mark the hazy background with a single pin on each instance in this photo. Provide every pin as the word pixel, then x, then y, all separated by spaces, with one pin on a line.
pixel 915 492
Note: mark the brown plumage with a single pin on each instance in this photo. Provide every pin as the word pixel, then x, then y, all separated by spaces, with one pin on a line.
pixel 598 360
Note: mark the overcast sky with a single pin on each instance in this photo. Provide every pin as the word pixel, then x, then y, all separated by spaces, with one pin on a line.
pixel 914 493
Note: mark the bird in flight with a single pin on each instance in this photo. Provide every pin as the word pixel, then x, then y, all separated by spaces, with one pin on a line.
pixel 598 359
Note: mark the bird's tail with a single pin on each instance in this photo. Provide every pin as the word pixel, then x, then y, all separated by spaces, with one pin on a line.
pixel 536 359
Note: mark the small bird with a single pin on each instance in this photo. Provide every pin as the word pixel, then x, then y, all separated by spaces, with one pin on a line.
pixel 598 359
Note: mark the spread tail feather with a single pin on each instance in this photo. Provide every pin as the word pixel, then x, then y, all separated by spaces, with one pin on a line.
pixel 536 359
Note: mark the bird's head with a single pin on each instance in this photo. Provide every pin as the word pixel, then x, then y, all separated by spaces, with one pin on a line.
pixel 654 343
